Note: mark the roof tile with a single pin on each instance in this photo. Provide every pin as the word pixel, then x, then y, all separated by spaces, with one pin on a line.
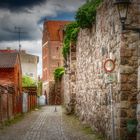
pixel 8 60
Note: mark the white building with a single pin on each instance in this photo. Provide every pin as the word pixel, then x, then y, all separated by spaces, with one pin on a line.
pixel 29 65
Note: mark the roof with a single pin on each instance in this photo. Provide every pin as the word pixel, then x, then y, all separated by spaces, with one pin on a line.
pixel 25 57
pixel 52 28
pixel 7 51
pixel 8 60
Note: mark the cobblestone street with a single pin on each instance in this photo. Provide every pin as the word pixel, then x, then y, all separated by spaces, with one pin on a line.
pixel 46 124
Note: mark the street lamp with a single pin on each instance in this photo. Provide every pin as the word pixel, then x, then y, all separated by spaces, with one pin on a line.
pixel 123 8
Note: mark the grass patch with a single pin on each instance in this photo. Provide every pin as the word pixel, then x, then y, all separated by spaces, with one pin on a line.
pixel 14 120
pixel 17 118
pixel 99 137
pixel 79 126
pixel 87 129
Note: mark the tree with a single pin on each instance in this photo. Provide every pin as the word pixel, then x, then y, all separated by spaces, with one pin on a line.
pixel 28 82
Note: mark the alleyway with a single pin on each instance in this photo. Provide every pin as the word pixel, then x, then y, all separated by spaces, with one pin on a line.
pixel 46 124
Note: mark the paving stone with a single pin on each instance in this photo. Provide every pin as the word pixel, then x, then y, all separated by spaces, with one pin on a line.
pixel 44 124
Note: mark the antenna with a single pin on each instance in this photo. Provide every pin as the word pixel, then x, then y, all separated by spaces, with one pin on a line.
pixel 19 32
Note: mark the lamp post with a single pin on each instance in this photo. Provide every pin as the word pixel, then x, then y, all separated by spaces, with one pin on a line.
pixel 109 67
pixel 123 8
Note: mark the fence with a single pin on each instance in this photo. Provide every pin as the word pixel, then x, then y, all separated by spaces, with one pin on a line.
pixel 10 102
pixel 6 102
pixel 30 98
pixel 24 102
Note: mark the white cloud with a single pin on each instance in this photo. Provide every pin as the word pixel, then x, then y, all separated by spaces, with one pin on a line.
pixel 31 47
pixel 27 19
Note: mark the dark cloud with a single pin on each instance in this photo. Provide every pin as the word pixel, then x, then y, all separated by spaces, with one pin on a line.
pixel 31 15
pixel 15 5
pixel 60 16
pixel 29 29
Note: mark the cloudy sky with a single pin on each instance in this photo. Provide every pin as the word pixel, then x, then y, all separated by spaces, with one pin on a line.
pixel 30 15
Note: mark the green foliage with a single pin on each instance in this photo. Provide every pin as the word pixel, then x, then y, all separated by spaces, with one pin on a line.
pixel 58 73
pixel 28 82
pixel 71 33
pixel 66 46
pixel 74 35
pixel 86 14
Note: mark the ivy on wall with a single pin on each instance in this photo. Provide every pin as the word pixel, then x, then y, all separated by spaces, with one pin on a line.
pixel 58 73
pixel 85 17
pixel 71 33
pixel 86 14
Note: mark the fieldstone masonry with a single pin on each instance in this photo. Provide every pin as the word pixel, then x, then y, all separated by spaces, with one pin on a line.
pixel 93 101
pixel 70 81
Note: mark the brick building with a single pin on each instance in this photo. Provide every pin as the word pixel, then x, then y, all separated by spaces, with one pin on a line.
pixel 10 75
pixel 51 49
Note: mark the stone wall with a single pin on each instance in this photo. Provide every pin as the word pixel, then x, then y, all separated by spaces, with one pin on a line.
pixel 70 81
pixel 51 93
pixel 59 92
pixel 138 96
pixel 54 94
pixel 93 97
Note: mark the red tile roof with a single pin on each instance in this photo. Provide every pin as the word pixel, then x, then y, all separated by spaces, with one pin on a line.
pixel 8 60
pixel 7 51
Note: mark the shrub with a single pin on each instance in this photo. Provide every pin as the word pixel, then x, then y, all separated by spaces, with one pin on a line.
pixel 86 14
pixel 58 73
pixel 28 82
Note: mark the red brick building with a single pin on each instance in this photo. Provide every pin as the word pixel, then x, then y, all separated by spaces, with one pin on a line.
pixel 11 75
pixel 51 47
pixel 51 54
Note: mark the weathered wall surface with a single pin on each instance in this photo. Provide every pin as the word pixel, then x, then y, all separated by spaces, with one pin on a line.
pixel 6 78
pixel 51 93
pixel 66 90
pixel 93 99
pixel 138 96
pixel 70 81
pixel 6 103
pixel 92 89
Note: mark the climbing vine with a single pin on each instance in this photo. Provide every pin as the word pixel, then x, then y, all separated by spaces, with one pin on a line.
pixel 71 33
pixel 86 14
